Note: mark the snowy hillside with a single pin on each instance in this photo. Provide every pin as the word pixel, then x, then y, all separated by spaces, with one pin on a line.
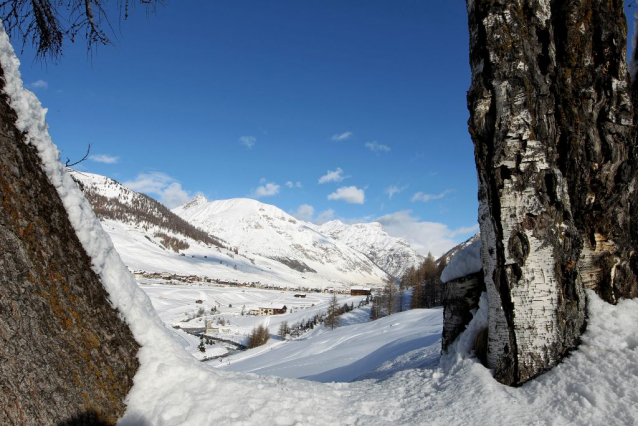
pixel 393 255
pixel 358 349
pixel 112 200
pixel 268 231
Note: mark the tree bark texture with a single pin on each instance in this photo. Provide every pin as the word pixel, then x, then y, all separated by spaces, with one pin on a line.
pixel 65 354
pixel 460 297
pixel 551 119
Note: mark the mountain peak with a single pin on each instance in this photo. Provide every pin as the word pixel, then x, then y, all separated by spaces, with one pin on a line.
pixel 393 255
pixel 197 200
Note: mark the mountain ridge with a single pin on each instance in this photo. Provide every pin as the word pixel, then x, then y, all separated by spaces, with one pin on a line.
pixel 270 232
pixel 393 255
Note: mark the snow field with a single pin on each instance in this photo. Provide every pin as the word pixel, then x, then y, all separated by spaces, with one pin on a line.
pixel 350 351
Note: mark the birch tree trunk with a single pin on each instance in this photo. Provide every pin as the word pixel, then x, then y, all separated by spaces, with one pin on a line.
pixel 551 120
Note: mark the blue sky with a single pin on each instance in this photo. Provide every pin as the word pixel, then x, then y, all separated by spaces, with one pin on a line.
pixel 263 99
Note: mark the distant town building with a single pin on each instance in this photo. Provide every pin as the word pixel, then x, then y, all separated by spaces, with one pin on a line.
pixel 273 309
pixel 360 291
pixel 210 329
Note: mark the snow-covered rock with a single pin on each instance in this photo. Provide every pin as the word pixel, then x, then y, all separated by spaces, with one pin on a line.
pixel 394 255
pixel 465 262
pixel 454 250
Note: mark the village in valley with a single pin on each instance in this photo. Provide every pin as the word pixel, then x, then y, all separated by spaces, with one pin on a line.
pixel 214 320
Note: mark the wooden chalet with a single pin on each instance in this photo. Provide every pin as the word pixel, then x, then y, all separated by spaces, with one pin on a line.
pixel 273 309
pixel 360 291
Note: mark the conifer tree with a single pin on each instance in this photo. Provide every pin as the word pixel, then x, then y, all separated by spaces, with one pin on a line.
pixel 332 319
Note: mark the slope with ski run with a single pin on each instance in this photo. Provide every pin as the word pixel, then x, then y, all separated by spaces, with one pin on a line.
pixel 596 384
pixel 268 231
pixel 393 255
pixel 356 349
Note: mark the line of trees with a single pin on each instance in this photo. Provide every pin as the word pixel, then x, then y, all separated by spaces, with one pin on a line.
pixel 425 281
pixel 425 285
pixel 331 318
pixel 389 301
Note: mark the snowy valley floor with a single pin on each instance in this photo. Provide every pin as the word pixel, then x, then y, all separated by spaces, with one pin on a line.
pixel 397 376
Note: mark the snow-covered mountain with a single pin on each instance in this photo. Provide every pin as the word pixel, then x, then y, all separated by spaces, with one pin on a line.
pixel 268 231
pixel 270 248
pixel 394 255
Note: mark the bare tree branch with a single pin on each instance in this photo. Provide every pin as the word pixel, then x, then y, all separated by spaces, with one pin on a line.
pixel 47 24
pixel 88 150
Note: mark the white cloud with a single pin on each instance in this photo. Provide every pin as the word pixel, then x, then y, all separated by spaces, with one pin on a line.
pixel 169 191
pixel 267 190
pixel 420 196
pixel 324 216
pixel 305 212
pixel 39 84
pixel 349 194
pixel 342 136
pixel 394 189
pixel 104 158
pixel 377 147
pixel 424 237
pixel 333 176
pixel 291 184
pixel 465 230
pixel 174 195
pixel 248 141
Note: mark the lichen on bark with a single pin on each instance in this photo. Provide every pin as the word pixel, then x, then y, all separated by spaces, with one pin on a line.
pixel 65 353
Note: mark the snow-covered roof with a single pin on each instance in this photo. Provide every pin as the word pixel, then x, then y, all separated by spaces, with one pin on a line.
pixel 358 287
pixel 465 262
pixel 273 306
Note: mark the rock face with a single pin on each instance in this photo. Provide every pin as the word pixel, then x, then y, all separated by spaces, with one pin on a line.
pixel 460 297
pixel 65 354
pixel 551 121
